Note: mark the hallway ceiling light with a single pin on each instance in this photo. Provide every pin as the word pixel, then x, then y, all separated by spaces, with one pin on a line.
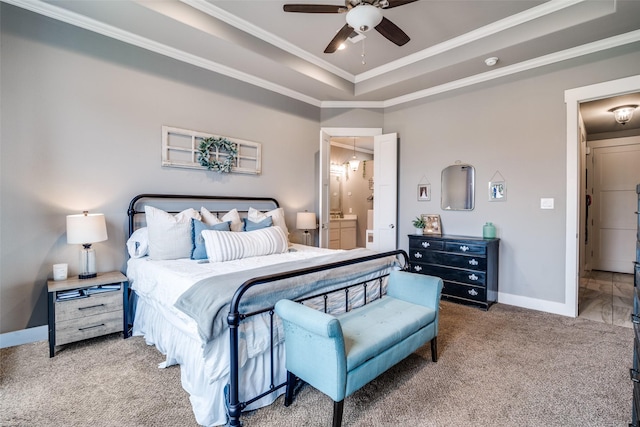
pixel 623 113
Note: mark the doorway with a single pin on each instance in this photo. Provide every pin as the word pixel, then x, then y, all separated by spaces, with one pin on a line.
pixel 576 197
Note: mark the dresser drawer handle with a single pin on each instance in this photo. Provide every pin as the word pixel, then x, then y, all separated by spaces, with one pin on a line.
pixel 464 248
pixel 473 292
pixel 473 277
pixel 426 244
pixel 417 268
pixel 418 255
pixel 473 261
pixel 91 327
pixel 633 373
pixel 91 306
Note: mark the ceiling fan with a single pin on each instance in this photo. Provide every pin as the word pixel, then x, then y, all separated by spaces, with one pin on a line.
pixel 362 15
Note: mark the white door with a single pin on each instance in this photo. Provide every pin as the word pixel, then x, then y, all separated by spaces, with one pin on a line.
pixel 616 174
pixel 325 151
pixel 385 192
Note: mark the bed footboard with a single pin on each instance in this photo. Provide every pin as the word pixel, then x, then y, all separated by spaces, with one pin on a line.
pixel 234 405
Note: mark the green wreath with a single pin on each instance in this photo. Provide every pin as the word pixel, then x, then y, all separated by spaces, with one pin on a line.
pixel 221 145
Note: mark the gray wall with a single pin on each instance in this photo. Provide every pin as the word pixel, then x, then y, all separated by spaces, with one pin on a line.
pixel 81 129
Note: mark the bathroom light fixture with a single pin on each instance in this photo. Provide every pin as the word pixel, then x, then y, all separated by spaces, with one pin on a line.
pixel 623 113
pixel 306 221
pixel 86 229
pixel 364 17
pixel 354 163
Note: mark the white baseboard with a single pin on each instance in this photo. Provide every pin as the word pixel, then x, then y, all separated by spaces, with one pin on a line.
pixel 24 336
pixel 535 304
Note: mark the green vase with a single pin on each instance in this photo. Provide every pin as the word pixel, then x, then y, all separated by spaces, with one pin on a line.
pixel 489 231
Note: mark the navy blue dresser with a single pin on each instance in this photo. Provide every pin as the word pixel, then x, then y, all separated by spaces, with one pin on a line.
pixel 467 265
pixel 635 318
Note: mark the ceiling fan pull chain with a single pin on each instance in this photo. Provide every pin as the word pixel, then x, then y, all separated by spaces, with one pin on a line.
pixel 363 54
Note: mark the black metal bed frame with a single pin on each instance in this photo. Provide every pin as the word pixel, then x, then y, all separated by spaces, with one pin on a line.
pixel 235 317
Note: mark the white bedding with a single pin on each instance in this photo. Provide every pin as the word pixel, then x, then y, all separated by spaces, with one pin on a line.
pixel 205 366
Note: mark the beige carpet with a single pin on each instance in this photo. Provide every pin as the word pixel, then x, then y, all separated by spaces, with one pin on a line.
pixel 504 367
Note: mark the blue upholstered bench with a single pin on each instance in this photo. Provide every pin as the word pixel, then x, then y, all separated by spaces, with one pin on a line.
pixel 340 354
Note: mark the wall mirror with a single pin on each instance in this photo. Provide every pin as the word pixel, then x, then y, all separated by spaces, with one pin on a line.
pixel 335 195
pixel 458 188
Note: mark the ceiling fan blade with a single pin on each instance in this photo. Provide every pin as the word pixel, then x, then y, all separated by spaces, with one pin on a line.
pixel 314 8
pixel 392 32
pixel 340 38
pixel 396 3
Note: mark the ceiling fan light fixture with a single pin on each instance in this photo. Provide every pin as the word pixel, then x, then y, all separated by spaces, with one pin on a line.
pixel 364 17
pixel 624 113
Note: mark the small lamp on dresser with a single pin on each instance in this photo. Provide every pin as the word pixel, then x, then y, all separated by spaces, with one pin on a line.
pixel 306 221
pixel 86 229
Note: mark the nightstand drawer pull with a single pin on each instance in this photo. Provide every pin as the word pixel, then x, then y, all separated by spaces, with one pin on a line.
pixel 90 307
pixel 91 327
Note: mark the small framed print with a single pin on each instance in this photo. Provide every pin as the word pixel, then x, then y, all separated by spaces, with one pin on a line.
pixel 432 224
pixel 424 192
pixel 497 191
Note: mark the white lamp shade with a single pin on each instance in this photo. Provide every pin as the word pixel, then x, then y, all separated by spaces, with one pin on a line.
pixel 364 17
pixel 306 221
pixel 86 228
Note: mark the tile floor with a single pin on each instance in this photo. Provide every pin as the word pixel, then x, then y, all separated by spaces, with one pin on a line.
pixel 606 297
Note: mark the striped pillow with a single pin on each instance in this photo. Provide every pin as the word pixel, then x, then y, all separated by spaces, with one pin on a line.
pixel 227 245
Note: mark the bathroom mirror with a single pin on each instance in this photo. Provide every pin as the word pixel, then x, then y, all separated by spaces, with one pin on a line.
pixel 335 194
pixel 458 188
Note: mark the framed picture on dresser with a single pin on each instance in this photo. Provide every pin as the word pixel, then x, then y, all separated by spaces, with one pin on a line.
pixel 432 224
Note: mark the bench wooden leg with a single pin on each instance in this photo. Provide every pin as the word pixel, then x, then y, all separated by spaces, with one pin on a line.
pixel 434 349
pixel 288 394
pixel 338 407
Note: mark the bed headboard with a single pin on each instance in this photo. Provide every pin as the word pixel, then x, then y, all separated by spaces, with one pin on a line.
pixel 174 203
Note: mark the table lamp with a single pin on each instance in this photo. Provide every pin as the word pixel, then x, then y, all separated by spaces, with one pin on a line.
pixel 306 221
pixel 86 229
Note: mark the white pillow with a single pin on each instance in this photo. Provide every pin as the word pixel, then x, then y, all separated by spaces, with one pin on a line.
pixel 169 236
pixel 227 245
pixel 232 216
pixel 138 243
pixel 277 215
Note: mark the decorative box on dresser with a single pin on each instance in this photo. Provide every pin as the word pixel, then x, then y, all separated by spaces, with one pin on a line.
pixel 468 266
pixel 86 308
pixel 635 319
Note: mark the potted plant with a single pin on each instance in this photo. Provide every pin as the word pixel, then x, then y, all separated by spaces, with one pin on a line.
pixel 419 225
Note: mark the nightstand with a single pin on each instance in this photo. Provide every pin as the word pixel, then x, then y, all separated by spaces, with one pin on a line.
pixel 87 308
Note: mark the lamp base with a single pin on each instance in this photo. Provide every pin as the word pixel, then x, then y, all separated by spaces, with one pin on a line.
pixel 87 276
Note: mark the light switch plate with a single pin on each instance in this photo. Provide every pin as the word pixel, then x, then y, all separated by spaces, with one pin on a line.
pixel 546 203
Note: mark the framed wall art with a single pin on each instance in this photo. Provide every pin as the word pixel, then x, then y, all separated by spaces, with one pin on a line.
pixel 424 192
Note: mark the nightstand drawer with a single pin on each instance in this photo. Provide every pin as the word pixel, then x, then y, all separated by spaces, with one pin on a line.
pixel 92 305
pixel 88 327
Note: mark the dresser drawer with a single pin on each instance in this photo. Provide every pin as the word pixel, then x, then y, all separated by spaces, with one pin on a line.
pixel 465 248
pixel 415 243
pixel 471 277
pixel 83 307
pixel 88 327
pixel 473 293
pixel 447 259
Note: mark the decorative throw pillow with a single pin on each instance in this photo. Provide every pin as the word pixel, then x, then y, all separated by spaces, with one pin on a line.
pixel 225 246
pixel 199 250
pixel 277 215
pixel 232 216
pixel 249 225
pixel 138 243
pixel 169 236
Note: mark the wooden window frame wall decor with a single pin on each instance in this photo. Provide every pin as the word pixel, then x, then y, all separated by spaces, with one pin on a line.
pixel 180 150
